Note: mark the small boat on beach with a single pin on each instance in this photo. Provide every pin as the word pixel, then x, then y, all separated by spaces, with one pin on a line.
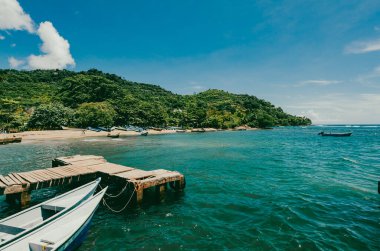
pixel 180 131
pixel 346 134
pixel 63 233
pixel 26 221
pixel 93 129
pixel 144 133
pixel 113 135
pixel 198 130
pixel 8 140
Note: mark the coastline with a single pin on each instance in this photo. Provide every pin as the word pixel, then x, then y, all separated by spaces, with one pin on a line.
pixel 74 133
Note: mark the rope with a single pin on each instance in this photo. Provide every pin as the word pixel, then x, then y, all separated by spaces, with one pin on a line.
pixel 115 196
pixel 124 207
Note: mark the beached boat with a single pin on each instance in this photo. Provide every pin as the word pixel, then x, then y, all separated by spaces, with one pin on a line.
pixel 144 133
pixel 198 130
pixel 180 131
pixel 13 139
pixel 113 136
pixel 24 222
pixel 63 233
pixel 346 134
pixel 93 129
pixel 105 129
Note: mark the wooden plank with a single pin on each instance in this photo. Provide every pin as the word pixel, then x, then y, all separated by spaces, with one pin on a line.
pixel 17 178
pixel 2 185
pixel 111 168
pixel 26 177
pixel 135 174
pixel 5 181
pixel 10 180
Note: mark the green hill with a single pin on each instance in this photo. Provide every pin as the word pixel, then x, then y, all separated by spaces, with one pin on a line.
pixel 47 99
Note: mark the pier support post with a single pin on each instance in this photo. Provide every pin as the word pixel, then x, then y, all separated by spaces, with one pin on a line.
pixel 23 198
pixel 139 195
pixel 160 191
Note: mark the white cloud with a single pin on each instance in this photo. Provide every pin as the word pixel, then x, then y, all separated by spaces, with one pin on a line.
pixel 13 45
pixel 2 37
pixel 318 82
pixel 338 108
pixel 56 50
pixel 13 17
pixel 359 47
pixel 15 63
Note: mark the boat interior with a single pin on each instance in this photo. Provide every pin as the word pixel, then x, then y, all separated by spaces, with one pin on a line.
pixel 14 226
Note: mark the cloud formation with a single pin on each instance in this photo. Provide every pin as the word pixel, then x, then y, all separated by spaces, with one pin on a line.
pixel 359 47
pixel 13 17
pixel 339 108
pixel 55 49
pixel 15 63
pixel 318 82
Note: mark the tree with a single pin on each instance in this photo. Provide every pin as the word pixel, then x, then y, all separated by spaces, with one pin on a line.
pixel 95 114
pixel 50 117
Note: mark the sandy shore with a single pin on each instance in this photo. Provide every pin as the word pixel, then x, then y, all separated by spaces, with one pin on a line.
pixel 74 133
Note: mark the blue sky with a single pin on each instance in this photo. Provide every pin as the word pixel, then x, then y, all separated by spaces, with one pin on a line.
pixel 315 58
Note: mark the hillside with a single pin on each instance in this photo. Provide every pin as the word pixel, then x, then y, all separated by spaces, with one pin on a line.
pixel 46 99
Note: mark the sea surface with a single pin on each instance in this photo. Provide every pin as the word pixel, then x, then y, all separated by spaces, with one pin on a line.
pixel 280 189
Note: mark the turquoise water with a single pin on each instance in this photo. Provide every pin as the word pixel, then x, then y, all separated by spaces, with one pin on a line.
pixel 281 189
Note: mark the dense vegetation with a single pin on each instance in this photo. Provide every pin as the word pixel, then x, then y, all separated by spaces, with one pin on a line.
pixel 47 99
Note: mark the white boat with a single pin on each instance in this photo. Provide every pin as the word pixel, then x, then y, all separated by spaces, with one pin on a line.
pixel 24 222
pixel 64 233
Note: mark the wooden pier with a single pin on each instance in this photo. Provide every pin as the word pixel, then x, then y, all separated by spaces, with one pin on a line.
pixel 84 168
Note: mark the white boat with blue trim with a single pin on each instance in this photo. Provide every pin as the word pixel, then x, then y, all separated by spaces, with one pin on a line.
pixel 64 233
pixel 26 221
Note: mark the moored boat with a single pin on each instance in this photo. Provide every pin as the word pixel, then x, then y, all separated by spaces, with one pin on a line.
pixel 26 221
pixel 144 133
pixel 63 233
pixel 113 135
pixel 346 134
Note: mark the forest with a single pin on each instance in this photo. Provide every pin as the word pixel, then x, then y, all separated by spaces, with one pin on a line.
pixel 50 99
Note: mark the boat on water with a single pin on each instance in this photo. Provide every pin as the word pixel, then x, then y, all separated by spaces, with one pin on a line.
pixel 26 221
pixel 346 134
pixel 144 133
pixel 113 135
pixel 63 233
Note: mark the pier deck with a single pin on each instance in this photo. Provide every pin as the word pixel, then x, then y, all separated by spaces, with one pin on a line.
pixel 83 168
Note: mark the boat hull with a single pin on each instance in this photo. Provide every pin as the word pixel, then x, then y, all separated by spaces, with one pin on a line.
pixel 335 134
pixel 78 238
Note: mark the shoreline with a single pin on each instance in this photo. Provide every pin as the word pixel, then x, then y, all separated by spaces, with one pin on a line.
pixel 77 133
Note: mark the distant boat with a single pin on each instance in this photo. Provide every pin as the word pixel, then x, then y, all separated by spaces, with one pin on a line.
pixel 13 139
pixel 181 131
pixel 63 233
pixel 24 222
pixel 346 134
pixel 198 130
pixel 144 133
pixel 113 136
pixel 93 129
pixel 106 129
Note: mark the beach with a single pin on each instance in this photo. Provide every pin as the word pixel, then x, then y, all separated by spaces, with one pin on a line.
pixel 75 133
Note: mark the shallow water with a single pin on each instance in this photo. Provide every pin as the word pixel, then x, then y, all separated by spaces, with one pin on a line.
pixel 283 189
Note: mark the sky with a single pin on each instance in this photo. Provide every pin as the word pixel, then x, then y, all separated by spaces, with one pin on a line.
pixel 319 59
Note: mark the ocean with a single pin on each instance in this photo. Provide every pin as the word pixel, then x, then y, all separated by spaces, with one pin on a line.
pixel 280 189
